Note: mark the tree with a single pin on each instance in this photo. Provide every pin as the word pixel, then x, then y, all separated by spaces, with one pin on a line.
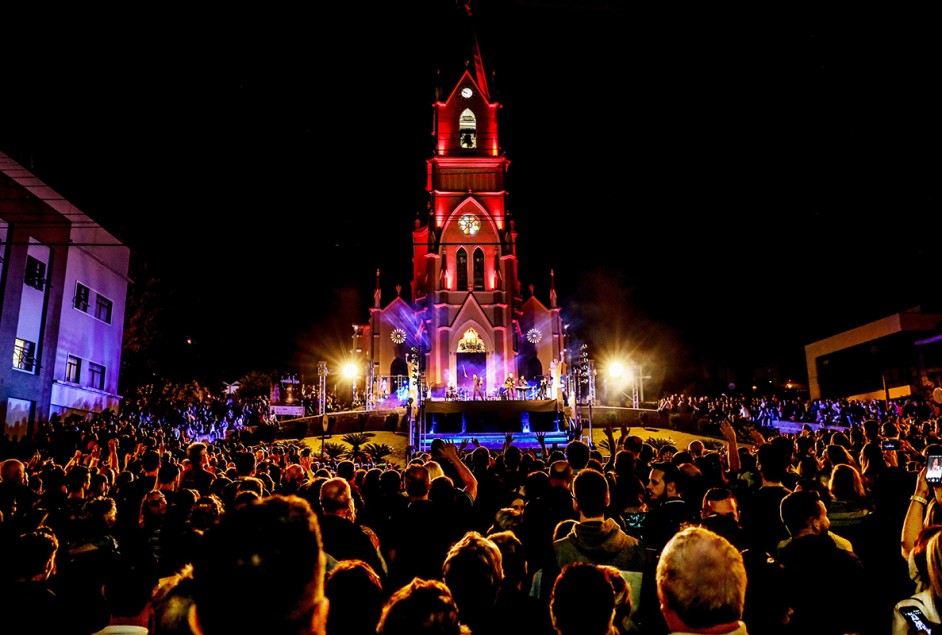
pixel 254 384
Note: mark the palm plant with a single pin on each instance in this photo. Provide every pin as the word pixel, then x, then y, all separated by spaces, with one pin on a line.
pixel 333 450
pixel 378 451
pixel 356 441
pixel 658 443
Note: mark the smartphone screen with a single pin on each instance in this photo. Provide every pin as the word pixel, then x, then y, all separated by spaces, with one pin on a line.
pixel 916 619
pixel 891 444
pixel 934 469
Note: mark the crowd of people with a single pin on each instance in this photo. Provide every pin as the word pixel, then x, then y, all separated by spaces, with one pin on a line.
pixel 133 521
pixel 767 410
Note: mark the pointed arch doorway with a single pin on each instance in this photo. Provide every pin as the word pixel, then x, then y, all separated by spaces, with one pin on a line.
pixel 470 360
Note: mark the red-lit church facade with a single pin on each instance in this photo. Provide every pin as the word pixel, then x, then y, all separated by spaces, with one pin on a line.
pixel 467 315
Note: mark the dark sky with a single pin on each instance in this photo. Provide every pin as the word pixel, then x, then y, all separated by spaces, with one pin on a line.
pixel 714 188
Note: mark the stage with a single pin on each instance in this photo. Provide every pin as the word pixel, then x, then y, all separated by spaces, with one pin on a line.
pixel 490 421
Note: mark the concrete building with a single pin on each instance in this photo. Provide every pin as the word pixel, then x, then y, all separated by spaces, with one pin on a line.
pixel 63 286
pixel 896 356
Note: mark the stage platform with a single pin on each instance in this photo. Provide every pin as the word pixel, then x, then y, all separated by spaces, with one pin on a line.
pixel 490 421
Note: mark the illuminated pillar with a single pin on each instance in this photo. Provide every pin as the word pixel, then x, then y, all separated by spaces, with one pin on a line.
pixel 321 388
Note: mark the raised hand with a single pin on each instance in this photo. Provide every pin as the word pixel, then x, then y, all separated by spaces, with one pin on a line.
pixel 757 437
pixel 610 433
pixel 450 452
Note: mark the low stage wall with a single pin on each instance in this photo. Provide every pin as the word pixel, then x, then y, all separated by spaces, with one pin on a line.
pixel 473 417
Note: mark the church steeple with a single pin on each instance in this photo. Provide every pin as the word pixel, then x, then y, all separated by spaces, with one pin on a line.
pixel 552 289
pixel 480 77
pixel 377 293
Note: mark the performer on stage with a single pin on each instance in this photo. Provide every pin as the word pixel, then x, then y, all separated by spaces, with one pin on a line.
pixel 478 387
pixel 541 393
pixel 509 387
pixel 523 386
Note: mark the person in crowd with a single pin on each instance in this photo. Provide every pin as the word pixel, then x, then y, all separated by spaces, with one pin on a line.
pixel 814 558
pixel 341 536
pixel 246 464
pixel 168 481
pixel 64 518
pixel 547 506
pixel 582 601
pixel 27 602
pixel 701 584
pixel 419 537
pixel 625 606
pixel 347 470
pixel 272 549
pixel 292 478
pixel 597 539
pixel 516 610
pixel 128 590
pixel 197 475
pixel 578 454
pixel 668 511
pixel 356 597
pixel 760 509
pixel 86 561
pixel 134 493
pixel 766 609
pixel 850 504
pixel 924 604
pixel 925 509
pixel 421 607
pixel 171 604
pixel 473 572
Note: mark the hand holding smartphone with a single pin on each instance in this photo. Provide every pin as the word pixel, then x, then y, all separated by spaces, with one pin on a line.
pixel 890 444
pixel 934 469
pixel 916 619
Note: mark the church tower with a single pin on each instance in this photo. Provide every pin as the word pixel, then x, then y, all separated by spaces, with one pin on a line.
pixel 467 315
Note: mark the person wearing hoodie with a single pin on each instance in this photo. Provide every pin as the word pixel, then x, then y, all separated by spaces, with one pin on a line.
pixel 596 539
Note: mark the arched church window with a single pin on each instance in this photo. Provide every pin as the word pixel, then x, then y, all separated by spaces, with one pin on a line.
pixel 470 342
pixel 468 129
pixel 479 269
pixel 461 264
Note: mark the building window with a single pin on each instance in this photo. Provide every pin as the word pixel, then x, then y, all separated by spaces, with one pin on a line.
pixel 24 355
pixel 461 265
pixel 81 297
pixel 467 130
pixel 35 273
pixel 73 369
pixel 103 309
pixel 96 376
pixel 103 306
pixel 478 270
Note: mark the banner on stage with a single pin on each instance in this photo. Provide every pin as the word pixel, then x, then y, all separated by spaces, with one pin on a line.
pixel 297 411
pixel 285 397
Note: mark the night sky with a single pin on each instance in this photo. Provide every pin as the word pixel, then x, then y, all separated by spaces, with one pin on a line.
pixel 713 188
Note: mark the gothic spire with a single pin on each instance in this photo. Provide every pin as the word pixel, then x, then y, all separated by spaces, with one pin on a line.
pixel 480 77
pixel 552 289
pixel 377 294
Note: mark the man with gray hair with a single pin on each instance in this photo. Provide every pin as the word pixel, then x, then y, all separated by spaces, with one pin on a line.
pixel 342 537
pixel 701 584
